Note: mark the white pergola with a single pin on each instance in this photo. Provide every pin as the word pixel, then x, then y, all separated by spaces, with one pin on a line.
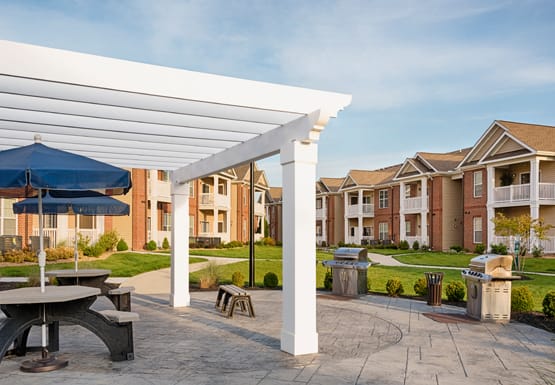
pixel 136 115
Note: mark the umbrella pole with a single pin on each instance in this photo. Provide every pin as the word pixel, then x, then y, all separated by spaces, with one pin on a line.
pixel 45 363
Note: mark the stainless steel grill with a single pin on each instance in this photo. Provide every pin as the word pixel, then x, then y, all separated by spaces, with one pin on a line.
pixel 488 283
pixel 350 271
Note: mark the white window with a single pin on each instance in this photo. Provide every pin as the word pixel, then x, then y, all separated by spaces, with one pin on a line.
pixel 221 227
pixel 383 230
pixel 367 231
pixel 318 229
pixel 191 189
pixel 407 191
pixel 205 227
pixel 7 221
pixel 318 203
pixel 166 222
pixel 367 200
pixel 477 184
pixel 354 200
pixel 164 176
pixel 50 221
pixel 407 228
pixel 353 229
pixel 384 199
pixel 525 178
pixel 191 225
pixel 477 229
pixel 222 188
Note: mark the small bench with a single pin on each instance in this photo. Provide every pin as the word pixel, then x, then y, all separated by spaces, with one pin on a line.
pixel 229 296
pixel 121 297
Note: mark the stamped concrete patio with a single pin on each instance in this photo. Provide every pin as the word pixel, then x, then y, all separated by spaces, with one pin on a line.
pixel 370 340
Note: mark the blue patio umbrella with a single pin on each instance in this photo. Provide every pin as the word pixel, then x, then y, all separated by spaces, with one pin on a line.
pixel 73 202
pixel 26 171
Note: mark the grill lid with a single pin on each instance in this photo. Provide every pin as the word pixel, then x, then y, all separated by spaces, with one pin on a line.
pixel 351 253
pixel 492 264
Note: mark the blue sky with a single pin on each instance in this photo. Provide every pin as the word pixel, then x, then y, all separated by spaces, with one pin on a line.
pixel 424 75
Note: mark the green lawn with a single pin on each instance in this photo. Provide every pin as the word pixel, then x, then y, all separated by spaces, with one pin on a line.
pixel 436 259
pixel 260 252
pixel 125 264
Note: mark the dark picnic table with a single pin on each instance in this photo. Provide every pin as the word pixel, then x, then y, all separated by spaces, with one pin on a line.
pixel 27 307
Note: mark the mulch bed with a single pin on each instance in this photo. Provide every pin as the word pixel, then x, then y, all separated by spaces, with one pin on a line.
pixel 536 319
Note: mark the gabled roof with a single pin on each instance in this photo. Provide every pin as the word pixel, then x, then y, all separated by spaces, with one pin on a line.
pixel 244 176
pixel 275 194
pixel 504 139
pixel 431 162
pixel 330 184
pixel 369 178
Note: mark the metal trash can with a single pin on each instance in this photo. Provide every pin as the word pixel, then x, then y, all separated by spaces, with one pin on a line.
pixel 434 281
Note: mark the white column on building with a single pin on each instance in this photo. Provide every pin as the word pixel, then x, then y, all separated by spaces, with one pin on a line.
pixel 360 215
pixel 215 210
pixel 325 219
pixel 490 172
pixel 346 211
pixel 62 229
pixel 534 196
pixel 424 211
pixel 154 220
pixel 179 294
pixel 402 224
pixel 298 334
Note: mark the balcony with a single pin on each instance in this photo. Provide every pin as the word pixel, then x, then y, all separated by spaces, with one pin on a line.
pixel 321 213
pixel 259 209
pixel 365 210
pixel 520 193
pixel 211 201
pixel 68 235
pixel 413 204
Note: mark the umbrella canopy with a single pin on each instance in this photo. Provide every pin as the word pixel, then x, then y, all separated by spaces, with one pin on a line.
pixel 71 202
pixel 37 166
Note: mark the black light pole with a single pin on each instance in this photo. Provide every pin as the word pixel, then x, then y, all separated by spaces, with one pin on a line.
pixel 251 227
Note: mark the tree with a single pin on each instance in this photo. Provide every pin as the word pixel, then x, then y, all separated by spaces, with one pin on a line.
pixel 522 227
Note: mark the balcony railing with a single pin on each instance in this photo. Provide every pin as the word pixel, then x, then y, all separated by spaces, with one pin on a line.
pixel 68 235
pixel 209 200
pixel 321 213
pixel 547 244
pixel 512 193
pixel 413 203
pixel 366 209
pixel 521 193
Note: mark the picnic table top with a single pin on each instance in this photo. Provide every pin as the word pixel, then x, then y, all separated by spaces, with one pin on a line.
pixel 78 273
pixel 33 295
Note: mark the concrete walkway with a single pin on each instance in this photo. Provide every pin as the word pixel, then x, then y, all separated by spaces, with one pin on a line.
pixel 159 281
pixel 369 340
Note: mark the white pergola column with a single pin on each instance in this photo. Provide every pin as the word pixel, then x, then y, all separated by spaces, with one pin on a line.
pixel 179 295
pixel 402 225
pixel 424 212
pixel 360 216
pixel 215 210
pixel 298 333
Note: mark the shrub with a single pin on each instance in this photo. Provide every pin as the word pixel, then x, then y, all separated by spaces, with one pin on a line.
pixel 394 287
pixel 270 280
pixel 209 276
pixel 521 299
pixel 328 280
pixel 404 245
pixel 500 249
pixel 456 248
pixel 108 241
pixel 480 248
pixel 151 245
pixel 94 251
pixel 425 248
pixel 549 304
pixel 122 245
pixel 233 244
pixel 165 244
pixel 267 241
pixel 18 256
pixel 238 279
pixel 340 244
pixel 54 254
pixel 421 287
pixel 415 245
pixel 537 251
pixel 455 291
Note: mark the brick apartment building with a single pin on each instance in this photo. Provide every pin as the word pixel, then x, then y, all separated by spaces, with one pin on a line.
pixel 449 199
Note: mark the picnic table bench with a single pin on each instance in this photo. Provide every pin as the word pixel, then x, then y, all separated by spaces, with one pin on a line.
pixel 29 307
pixel 229 296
